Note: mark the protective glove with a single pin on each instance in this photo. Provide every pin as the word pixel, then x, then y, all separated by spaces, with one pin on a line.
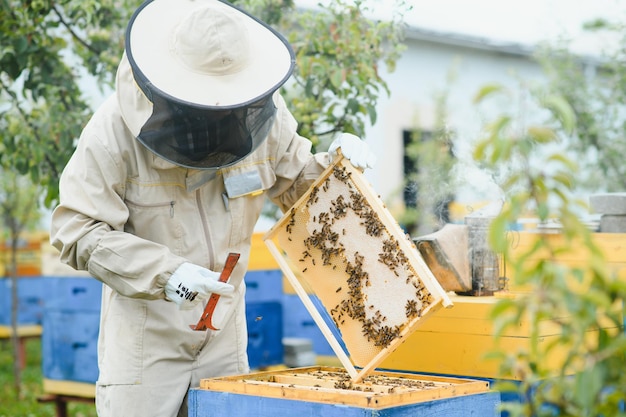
pixel 354 149
pixel 190 284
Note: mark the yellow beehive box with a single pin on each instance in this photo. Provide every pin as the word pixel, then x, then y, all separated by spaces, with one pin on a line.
pixel 28 256
pixel 456 341
pixel 260 256
pixel 339 243
pixel 612 246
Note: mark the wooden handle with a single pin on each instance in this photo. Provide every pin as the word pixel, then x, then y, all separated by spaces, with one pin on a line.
pixel 205 320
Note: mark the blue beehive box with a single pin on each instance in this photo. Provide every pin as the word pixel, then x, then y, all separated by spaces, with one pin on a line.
pixel 70 345
pixel 265 331
pixel 264 285
pixel 71 323
pixel 73 293
pixel 203 403
pixel 30 295
pixel 297 322
pixel 323 391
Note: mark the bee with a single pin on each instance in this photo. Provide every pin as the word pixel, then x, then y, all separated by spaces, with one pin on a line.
pixel 292 222
pixel 313 196
pixel 411 309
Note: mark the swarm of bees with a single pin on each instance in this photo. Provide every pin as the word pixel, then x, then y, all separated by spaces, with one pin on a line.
pixel 327 241
pixel 343 381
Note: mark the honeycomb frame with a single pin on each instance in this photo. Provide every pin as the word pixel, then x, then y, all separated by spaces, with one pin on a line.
pixel 340 243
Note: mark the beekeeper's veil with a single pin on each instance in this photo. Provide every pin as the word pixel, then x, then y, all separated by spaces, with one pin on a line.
pixel 197 78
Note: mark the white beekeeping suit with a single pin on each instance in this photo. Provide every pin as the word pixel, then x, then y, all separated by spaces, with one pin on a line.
pixel 168 177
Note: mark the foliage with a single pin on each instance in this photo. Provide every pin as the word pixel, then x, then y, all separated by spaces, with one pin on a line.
pixel 338 82
pixel 595 88
pixel 582 302
pixel 32 387
pixel 48 48
pixel 18 203
pixel 42 106
pixel 338 52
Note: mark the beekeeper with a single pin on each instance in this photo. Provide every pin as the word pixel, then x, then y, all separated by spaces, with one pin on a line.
pixel 169 176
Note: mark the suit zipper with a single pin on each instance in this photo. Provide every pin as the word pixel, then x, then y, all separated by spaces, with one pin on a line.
pixel 207 232
pixel 207 236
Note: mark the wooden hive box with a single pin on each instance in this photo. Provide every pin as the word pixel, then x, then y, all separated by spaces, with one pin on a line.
pixel 457 341
pixel 328 391
pixel 573 255
pixel 340 243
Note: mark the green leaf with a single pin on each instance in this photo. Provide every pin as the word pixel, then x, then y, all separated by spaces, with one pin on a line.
pixel 371 110
pixel 568 163
pixel 542 134
pixel 336 78
pixel 497 233
pixel 587 387
pixel 486 91
pixel 562 110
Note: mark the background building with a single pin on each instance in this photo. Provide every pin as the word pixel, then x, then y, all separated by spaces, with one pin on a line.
pixel 455 67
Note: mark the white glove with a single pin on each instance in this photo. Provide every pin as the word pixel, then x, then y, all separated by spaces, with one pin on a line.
pixel 354 149
pixel 190 284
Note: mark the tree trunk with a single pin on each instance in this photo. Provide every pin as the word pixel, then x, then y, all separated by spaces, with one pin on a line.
pixel 17 352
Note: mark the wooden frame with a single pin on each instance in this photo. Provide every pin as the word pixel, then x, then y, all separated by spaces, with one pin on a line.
pixel 333 386
pixel 340 243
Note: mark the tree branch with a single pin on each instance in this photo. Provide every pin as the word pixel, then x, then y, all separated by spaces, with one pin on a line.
pixel 73 33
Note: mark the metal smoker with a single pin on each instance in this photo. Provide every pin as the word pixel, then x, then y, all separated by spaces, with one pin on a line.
pixel 484 262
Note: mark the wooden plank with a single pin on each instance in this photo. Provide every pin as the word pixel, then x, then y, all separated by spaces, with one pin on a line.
pixel 22 331
pixel 69 388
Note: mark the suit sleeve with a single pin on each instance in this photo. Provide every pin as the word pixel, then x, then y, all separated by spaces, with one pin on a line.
pixel 87 226
pixel 296 168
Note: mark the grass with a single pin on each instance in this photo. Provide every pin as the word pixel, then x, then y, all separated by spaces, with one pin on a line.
pixel 32 386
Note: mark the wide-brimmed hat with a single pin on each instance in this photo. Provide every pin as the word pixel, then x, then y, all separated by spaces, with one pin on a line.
pixel 205 53
pixel 196 83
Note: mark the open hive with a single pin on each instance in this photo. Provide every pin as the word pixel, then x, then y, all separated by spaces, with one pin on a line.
pixel 339 243
pixel 334 386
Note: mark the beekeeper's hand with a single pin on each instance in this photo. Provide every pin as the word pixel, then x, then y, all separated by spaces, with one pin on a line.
pixel 354 149
pixel 190 284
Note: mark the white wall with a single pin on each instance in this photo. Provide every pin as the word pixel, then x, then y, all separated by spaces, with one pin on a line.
pixel 421 73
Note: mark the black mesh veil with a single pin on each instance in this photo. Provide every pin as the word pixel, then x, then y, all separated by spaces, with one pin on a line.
pixel 205 138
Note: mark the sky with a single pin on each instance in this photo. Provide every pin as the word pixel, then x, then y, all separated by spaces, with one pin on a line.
pixel 528 21
pixel 517 21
